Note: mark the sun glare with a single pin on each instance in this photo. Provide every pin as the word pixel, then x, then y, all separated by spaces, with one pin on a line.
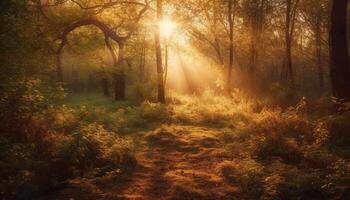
pixel 167 27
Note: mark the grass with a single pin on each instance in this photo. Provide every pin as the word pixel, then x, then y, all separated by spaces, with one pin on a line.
pixel 93 100
pixel 195 147
pixel 298 143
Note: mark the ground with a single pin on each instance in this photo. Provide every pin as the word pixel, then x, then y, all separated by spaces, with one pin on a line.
pixel 174 162
pixel 200 148
pixel 179 164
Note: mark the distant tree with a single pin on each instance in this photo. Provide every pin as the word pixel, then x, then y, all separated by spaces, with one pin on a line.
pixel 254 12
pixel 211 30
pixel 315 15
pixel 142 63
pixel 290 17
pixel 339 57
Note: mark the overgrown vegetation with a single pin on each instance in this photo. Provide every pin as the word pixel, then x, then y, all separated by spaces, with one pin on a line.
pixel 269 152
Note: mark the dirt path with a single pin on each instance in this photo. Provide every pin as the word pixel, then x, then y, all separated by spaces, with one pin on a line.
pixel 174 163
pixel 178 162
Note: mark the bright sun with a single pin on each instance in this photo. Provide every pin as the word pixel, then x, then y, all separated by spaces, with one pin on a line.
pixel 167 27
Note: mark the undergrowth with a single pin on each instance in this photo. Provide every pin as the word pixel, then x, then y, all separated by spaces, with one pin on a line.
pixel 298 152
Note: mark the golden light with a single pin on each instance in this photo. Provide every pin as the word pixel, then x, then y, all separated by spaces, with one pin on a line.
pixel 167 27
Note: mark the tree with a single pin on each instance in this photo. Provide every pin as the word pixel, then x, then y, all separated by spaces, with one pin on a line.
pixel 291 11
pixel 160 74
pixel 119 33
pixel 231 21
pixel 339 58
pixel 210 32
pixel 255 17
pixel 315 15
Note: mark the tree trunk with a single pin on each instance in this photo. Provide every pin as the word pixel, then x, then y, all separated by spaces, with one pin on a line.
pixel 289 29
pixel 231 24
pixel 160 76
pixel 256 23
pixel 340 75
pixel 319 52
pixel 119 77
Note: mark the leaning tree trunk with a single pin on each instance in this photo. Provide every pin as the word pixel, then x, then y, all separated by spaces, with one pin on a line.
pixel 160 76
pixel 340 75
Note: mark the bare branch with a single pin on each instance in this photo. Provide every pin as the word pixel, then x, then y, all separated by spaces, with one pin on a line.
pixel 109 4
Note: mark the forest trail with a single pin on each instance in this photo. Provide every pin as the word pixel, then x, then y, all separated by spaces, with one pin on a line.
pixel 178 162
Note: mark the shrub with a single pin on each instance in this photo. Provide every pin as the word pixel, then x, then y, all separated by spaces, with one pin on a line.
pixel 339 127
pixel 247 173
pixel 18 104
pixel 278 146
pixel 338 179
pixel 285 134
pixel 143 116
pixel 213 110
pixel 300 185
pixel 17 165
pixel 93 146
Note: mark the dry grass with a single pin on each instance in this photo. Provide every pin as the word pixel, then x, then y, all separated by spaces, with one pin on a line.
pixel 200 147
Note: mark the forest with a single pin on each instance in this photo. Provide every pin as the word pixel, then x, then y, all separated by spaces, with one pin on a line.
pixel 174 100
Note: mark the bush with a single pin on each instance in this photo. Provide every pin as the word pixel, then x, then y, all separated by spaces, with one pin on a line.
pixel 213 110
pixel 278 146
pixel 60 146
pixel 93 146
pixel 300 185
pixel 18 104
pixel 143 116
pixel 339 127
pixel 287 134
pixel 247 173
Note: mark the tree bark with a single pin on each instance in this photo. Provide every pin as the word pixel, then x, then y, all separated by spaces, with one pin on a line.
pixel 339 58
pixel 318 41
pixel 289 30
pixel 160 76
pixel 231 26
pixel 119 77
pixel 256 23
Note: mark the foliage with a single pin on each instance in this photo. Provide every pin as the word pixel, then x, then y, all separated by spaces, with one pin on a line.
pixel 247 173
pixel 51 145
pixel 215 110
